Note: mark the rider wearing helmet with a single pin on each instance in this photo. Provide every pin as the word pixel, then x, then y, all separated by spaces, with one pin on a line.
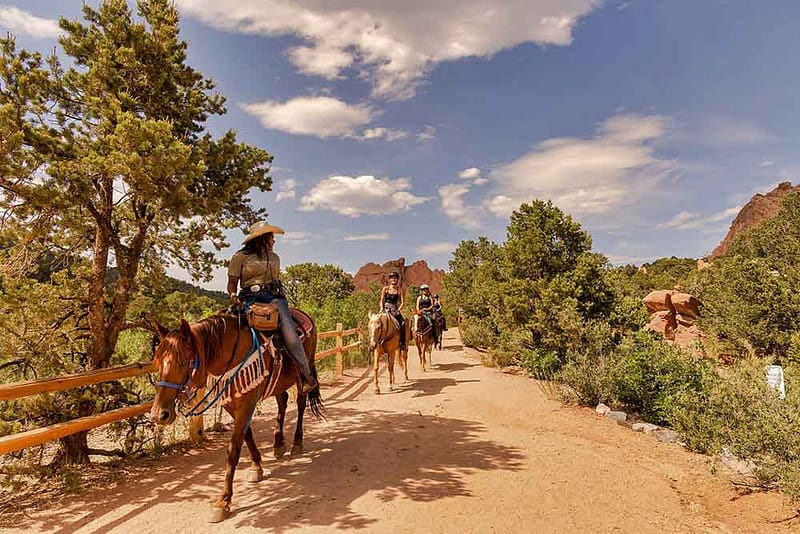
pixel 392 303
pixel 425 305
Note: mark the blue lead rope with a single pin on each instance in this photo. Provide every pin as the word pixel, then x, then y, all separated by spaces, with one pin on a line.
pixel 255 346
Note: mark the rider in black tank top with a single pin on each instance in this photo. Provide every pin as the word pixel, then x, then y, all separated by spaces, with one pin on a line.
pixel 392 303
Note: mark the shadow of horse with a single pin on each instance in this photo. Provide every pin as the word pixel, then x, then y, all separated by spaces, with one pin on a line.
pixel 396 456
pixel 455 366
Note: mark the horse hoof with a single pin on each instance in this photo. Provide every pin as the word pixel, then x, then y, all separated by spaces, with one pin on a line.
pixel 297 449
pixel 219 514
pixel 377 391
pixel 255 475
pixel 279 452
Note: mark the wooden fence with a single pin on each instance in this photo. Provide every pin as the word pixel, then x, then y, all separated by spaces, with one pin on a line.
pixel 22 440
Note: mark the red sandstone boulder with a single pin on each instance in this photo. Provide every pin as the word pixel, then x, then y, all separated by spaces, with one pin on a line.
pixel 659 300
pixel 685 305
pixel 664 323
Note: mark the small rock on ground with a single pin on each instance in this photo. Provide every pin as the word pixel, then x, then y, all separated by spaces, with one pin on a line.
pixel 602 409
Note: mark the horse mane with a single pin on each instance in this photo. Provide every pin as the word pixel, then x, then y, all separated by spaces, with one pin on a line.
pixel 210 332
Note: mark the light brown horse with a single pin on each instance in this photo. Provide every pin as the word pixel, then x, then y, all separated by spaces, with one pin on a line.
pixel 423 339
pixel 216 346
pixel 384 338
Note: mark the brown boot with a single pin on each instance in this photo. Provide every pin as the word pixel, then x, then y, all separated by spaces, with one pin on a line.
pixel 308 386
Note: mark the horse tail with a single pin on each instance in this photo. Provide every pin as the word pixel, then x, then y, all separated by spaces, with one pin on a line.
pixel 315 396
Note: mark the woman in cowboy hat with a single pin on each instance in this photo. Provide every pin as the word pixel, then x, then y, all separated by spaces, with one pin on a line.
pixel 254 271
pixel 392 303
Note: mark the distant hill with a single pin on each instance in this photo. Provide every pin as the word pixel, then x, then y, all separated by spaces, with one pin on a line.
pixel 760 208
pixel 416 274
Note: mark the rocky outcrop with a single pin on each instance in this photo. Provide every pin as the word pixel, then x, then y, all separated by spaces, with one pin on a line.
pixel 416 274
pixel 759 209
pixel 673 315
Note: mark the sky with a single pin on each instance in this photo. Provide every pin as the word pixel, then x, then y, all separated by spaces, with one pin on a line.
pixel 402 127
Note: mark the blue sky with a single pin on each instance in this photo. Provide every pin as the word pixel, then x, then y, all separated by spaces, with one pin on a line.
pixel 400 128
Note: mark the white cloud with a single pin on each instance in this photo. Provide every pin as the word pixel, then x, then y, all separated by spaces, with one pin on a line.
pixel 286 190
pixel 367 237
pixel 18 21
pixel 686 220
pixel 437 248
pixel 395 44
pixel 427 133
pixel 296 237
pixel 320 116
pixel 473 174
pixel 362 195
pixel 385 133
pixel 766 163
pixel 453 205
pixel 470 173
pixel 586 176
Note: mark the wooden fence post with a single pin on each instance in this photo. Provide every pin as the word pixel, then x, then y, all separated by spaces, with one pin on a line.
pixel 339 351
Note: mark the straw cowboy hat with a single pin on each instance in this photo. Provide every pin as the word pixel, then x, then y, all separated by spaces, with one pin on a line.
pixel 261 228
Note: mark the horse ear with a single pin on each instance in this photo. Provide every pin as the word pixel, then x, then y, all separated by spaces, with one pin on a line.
pixel 160 329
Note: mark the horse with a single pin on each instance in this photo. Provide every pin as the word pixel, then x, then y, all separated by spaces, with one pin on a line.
pixel 423 340
pixel 221 345
pixel 384 338
pixel 439 321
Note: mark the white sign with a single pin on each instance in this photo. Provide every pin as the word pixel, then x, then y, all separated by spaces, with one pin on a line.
pixel 775 379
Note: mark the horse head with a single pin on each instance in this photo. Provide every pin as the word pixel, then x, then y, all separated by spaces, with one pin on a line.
pixel 375 330
pixel 180 367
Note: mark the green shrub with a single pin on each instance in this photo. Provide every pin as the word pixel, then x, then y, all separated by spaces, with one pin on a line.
pixel 589 376
pixel 736 411
pixel 477 333
pixel 650 373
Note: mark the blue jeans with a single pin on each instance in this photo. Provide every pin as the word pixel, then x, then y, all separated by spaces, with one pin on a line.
pixel 287 328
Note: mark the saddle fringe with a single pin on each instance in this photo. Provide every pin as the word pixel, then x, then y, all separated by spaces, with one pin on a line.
pixel 249 377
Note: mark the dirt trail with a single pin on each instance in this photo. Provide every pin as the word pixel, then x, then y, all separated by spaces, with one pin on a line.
pixel 461 448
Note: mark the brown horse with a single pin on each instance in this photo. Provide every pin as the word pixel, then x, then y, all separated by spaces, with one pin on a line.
pixel 423 339
pixel 384 338
pixel 223 346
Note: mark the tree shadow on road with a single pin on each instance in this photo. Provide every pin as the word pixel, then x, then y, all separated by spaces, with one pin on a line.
pixel 394 456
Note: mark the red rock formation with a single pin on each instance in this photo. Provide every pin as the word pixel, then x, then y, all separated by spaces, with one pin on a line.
pixel 416 274
pixel 672 315
pixel 759 209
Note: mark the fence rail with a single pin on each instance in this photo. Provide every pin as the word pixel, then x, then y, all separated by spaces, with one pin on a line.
pixel 30 438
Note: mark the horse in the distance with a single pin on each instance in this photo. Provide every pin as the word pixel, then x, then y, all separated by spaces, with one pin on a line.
pixel 423 339
pixel 246 366
pixel 384 338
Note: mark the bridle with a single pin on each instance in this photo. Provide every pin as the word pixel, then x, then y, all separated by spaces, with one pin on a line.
pixel 183 389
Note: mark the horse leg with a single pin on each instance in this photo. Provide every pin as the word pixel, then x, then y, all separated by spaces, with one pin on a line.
pixel 390 368
pixel 421 352
pixel 376 360
pixel 256 473
pixel 222 507
pixel 279 445
pixel 297 443
pixel 404 362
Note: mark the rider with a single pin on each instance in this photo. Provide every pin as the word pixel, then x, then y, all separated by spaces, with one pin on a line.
pixel 438 313
pixel 392 303
pixel 425 305
pixel 254 269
